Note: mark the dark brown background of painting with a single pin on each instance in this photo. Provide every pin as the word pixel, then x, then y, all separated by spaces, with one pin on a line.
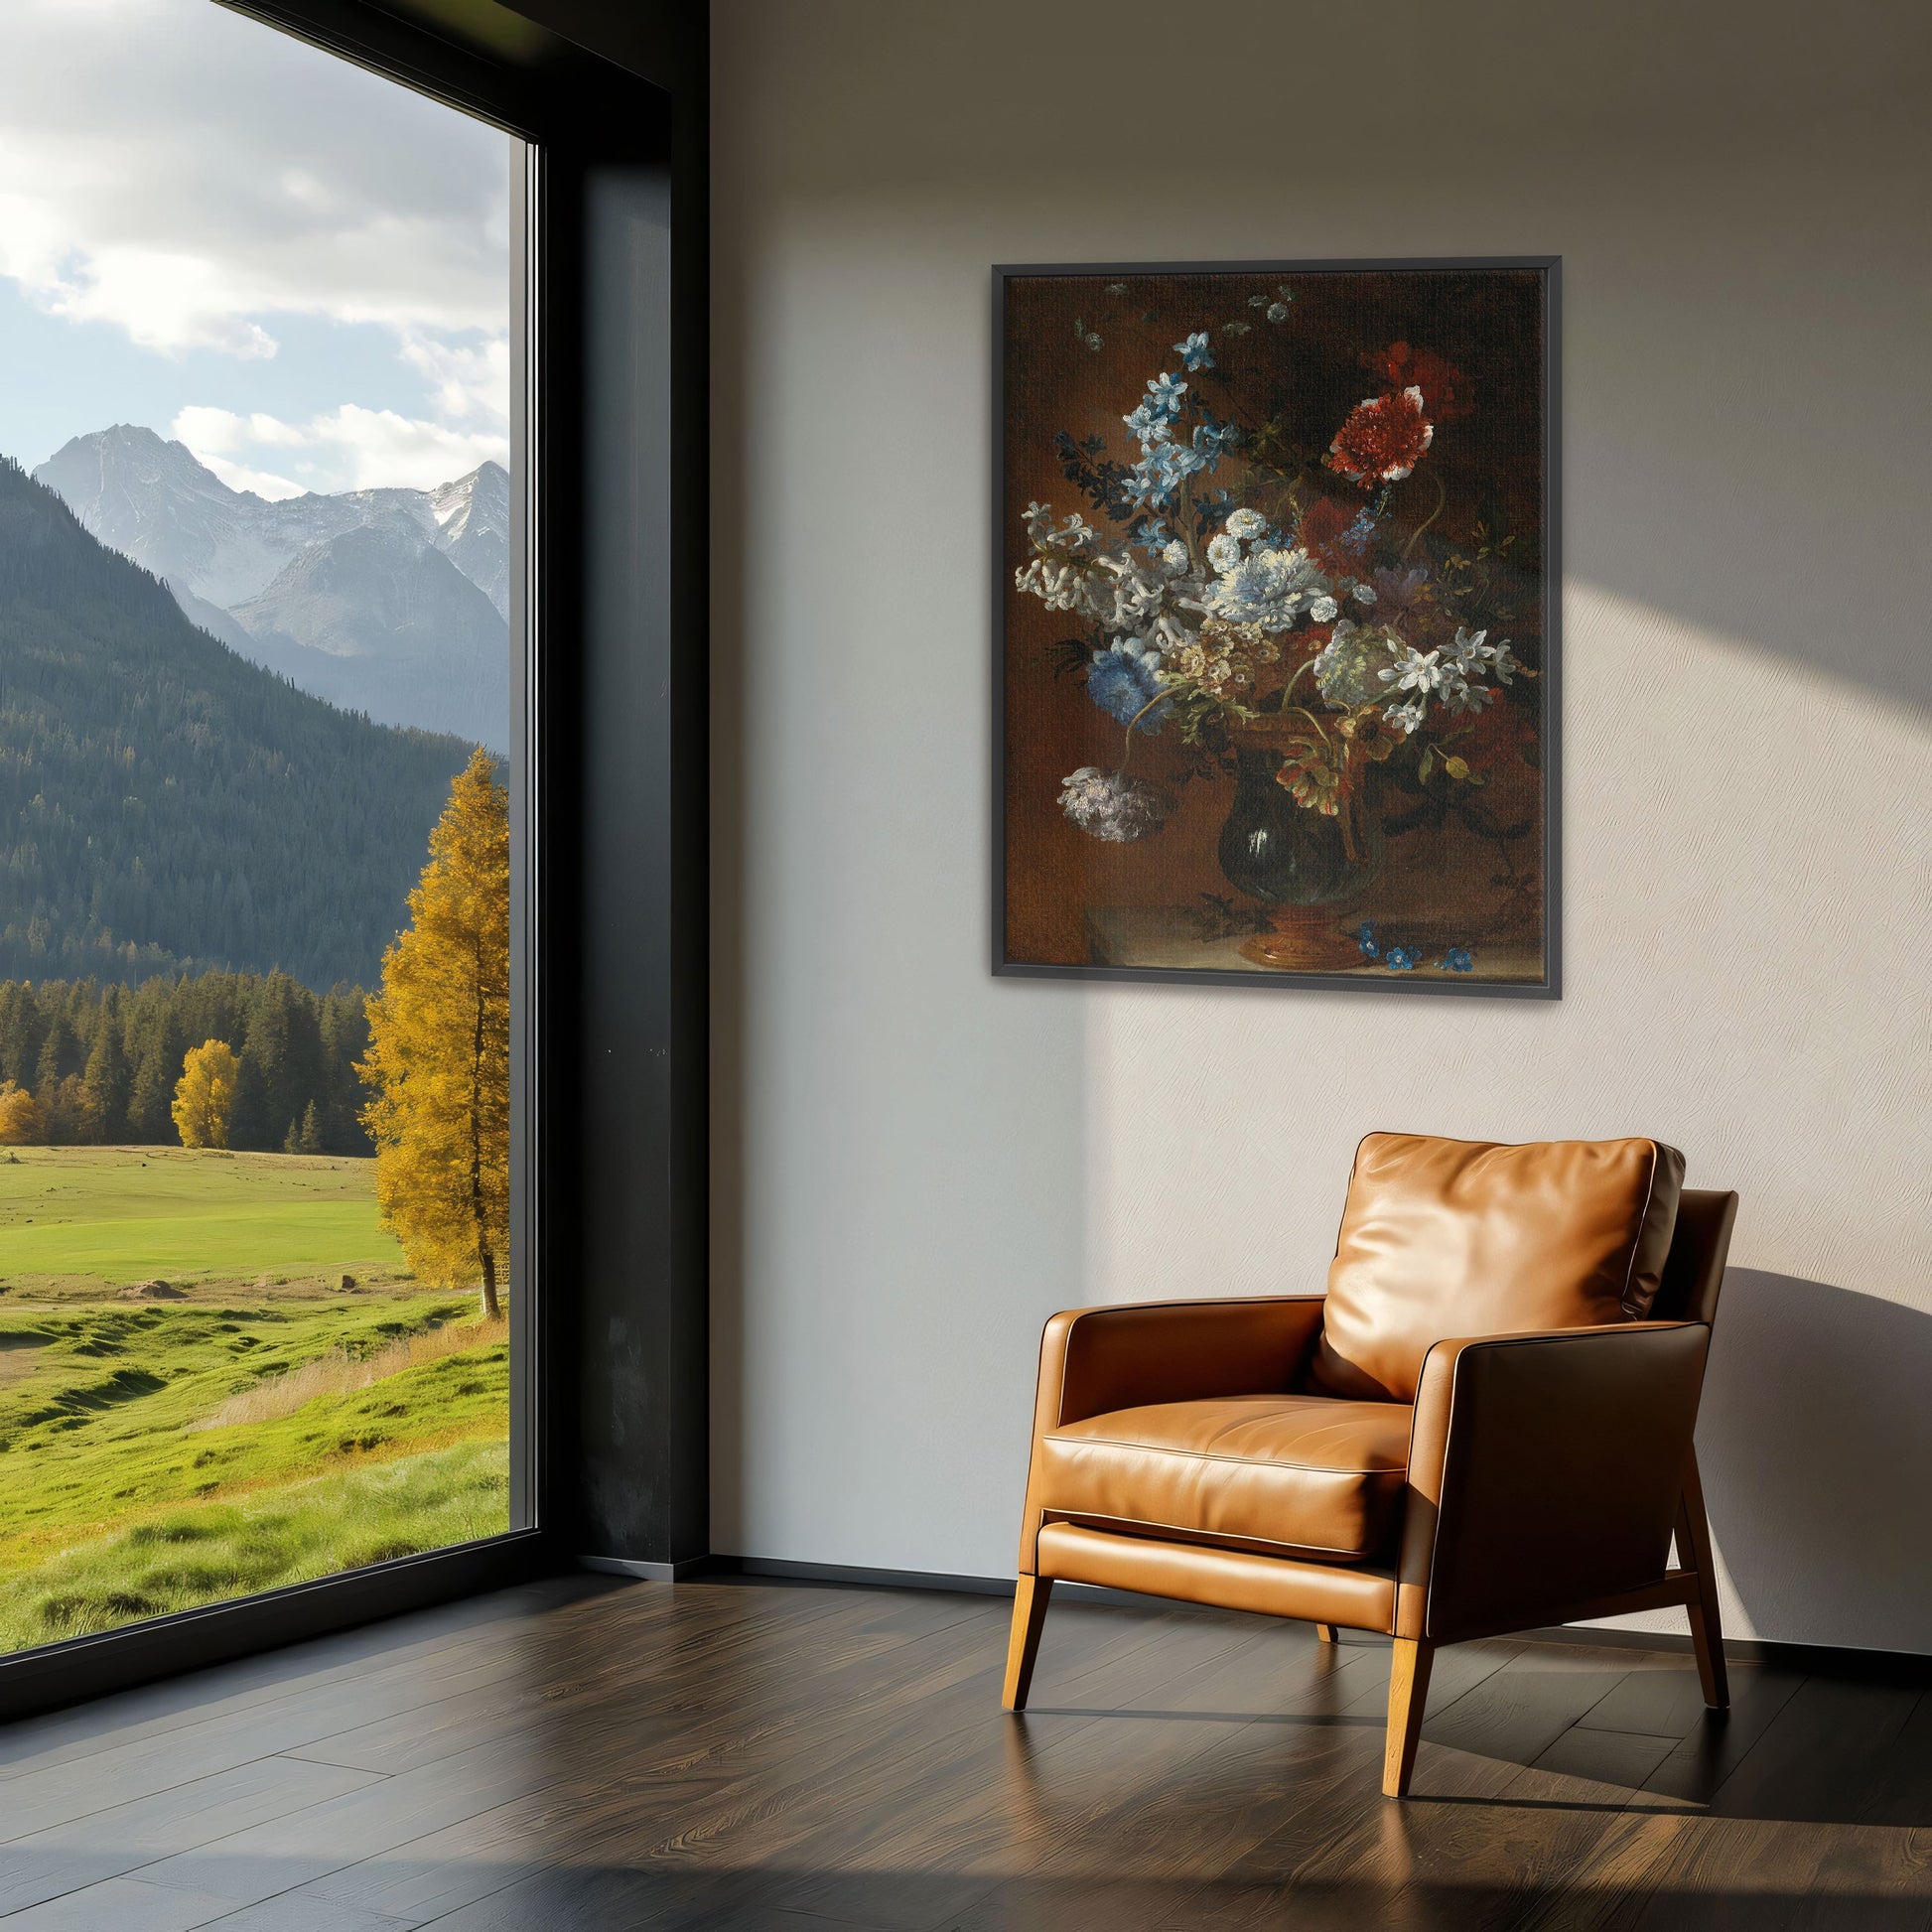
pixel 1487 323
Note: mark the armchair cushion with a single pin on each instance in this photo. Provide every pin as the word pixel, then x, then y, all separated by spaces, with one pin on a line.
pixel 1461 1238
pixel 1285 1474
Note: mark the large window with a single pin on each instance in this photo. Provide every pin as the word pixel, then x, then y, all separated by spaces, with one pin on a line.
pixel 261 635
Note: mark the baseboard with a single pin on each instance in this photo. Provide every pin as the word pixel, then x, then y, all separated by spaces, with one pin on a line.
pixel 847 1576
pixel 650 1572
pixel 1821 1660
pixel 780 1569
pixel 1814 1659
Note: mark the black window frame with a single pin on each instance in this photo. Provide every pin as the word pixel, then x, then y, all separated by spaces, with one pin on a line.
pixel 610 958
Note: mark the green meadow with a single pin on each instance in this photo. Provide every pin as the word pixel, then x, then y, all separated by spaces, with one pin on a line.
pixel 104 1216
pixel 291 1403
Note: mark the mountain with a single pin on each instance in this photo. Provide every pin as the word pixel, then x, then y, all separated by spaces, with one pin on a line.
pixel 473 518
pixel 166 805
pixel 375 621
pixel 218 549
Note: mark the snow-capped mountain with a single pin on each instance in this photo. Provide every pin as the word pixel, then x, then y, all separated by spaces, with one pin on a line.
pixel 473 522
pixel 231 560
pixel 375 619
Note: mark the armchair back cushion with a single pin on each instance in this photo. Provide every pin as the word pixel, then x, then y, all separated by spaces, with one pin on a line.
pixel 1446 1239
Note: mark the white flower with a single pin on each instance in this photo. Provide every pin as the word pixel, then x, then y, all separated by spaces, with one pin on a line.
pixel 1278 312
pixel 1175 557
pixel 1362 593
pixel 1224 552
pixel 1460 697
pixel 1471 652
pixel 1324 610
pixel 1246 524
pixel 1109 805
pixel 1344 668
pixel 1407 717
pixel 1503 662
pixel 1412 671
pixel 1271 588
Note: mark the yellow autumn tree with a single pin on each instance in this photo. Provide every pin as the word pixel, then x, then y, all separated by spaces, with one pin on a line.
pixel 439 1059
pixel 205 1095
pixel 20 1116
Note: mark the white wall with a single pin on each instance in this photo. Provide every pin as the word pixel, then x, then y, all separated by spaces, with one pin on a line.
pixel 917 1163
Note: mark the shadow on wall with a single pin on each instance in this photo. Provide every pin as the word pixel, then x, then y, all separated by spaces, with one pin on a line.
pixel 1815 1440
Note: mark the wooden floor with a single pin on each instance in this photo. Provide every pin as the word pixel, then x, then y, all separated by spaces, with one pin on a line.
pixel 728 1755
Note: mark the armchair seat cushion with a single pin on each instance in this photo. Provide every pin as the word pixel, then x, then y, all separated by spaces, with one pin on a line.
pixel 1288 1474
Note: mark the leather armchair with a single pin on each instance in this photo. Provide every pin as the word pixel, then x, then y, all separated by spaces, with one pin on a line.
pixel 1439 1474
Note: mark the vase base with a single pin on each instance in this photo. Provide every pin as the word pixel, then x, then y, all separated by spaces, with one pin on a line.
pixel 1303 939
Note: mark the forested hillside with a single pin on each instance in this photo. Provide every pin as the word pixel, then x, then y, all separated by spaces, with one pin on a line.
pixel 100 1061
pixel 166 806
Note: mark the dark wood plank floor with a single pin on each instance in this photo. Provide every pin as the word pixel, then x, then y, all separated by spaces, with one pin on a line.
pixel 732 1756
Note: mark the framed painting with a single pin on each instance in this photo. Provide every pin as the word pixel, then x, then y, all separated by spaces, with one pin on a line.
pixel 1275 612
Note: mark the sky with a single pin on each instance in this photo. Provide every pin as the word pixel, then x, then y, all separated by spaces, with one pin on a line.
pixel 299 269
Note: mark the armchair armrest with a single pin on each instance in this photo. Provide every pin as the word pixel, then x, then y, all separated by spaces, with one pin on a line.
pixel 1544 1471
pixel 1093 1361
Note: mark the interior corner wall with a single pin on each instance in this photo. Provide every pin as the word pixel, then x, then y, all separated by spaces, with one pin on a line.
pixel 915 1162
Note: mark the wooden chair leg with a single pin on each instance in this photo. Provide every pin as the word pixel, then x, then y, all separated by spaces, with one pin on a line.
pixel 1694 1551
pixel 1325 1633
pixel 1023 1645
pixel 1408 1693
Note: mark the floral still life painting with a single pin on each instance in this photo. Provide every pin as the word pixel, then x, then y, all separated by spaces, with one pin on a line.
pixel 1276 637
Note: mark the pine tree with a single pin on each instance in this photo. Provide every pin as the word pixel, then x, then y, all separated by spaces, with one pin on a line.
pixel 250 1121
pixel 205 1098
pixel 345 1028
pixel 60 1052
pixel 308 1141
pixel 438 1062
pixel 150 1104
pixel 104 1086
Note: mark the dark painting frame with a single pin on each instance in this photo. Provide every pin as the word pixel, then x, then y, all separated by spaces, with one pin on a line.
pixel 1547 985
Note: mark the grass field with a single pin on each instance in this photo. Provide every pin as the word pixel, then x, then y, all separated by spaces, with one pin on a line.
pixel 262 1426
pixel 107 1216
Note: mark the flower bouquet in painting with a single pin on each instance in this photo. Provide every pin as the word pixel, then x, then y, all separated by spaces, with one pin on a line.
pixel 1282 541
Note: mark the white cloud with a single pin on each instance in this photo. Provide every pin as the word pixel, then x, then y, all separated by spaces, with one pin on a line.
pixel 467 380
pixel 301 186
pixel 346 448
pixel 196 181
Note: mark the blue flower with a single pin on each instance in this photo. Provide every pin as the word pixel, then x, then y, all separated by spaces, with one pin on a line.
pixel 1401 959
pixel 1226 434
pixel 1365 939
pixel 1125 679
pixel 1212 438
pixel 1357 534
pixel 1196 351
pixel 1459 959
pixel 1151 534
pixel 1161 470
pixel 1151 481
pixel 1149 423
pixel 1165 392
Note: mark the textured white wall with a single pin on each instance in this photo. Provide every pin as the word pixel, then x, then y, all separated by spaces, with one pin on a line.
pixel 916 1162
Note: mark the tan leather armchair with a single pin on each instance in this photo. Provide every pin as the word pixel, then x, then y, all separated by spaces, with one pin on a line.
pixel 1484 1425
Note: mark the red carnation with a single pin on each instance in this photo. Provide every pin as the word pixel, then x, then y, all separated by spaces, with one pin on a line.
pixel 1383 438
pixel 1445 388
pixel 1323 534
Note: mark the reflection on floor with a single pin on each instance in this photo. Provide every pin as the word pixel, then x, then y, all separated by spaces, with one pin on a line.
pixel 584 1755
